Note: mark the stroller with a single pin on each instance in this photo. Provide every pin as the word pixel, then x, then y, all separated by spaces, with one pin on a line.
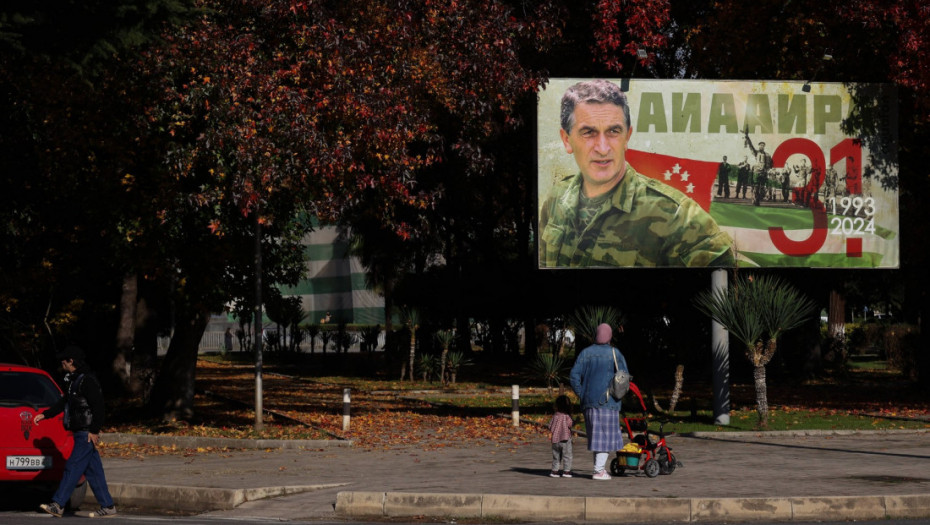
pixel 646 450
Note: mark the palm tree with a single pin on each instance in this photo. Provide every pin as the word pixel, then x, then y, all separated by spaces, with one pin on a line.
pixel 312 330
pixel 445 338
pixel 411 317
pixel 757 310
pixel 370 336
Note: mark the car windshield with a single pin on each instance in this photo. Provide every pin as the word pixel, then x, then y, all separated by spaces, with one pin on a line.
pixel 27 389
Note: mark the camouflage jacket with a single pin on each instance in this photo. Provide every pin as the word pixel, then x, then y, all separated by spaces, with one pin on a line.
pixel 643 223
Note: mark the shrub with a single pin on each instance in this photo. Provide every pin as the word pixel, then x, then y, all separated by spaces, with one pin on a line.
pixel 548 368
pixel 456 360
pixel 428 366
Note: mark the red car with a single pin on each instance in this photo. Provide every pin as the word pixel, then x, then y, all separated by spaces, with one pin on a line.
pixel 32 454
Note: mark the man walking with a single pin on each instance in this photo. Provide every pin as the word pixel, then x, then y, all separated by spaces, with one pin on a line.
pixel 84 412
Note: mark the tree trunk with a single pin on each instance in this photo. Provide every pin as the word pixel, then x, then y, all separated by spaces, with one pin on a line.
pixel 173 393
pixel 529 337
pixel 676 392
pixel 145 352
pixel 762 403
pixel 413 349
pixel 836 316
pixel 125 333
pixel 442 364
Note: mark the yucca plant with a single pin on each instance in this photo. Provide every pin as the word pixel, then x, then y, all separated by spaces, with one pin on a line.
pixel 444 338
pixel 411 318
pixel 757 310
pixel 427 365
pixel 551 369
pixel 586 319
pixel 456 360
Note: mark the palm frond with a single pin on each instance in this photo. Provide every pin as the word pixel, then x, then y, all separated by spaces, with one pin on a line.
pixel 736 308
pixel 586 319
pixel 754 307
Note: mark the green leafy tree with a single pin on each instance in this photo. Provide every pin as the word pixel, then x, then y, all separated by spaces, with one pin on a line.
pixel 757 310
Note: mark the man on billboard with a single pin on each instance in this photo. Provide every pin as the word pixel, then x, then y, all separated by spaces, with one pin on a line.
pixel 610 215
pixel 762 169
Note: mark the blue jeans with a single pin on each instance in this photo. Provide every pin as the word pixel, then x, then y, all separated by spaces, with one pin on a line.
pixel 84 460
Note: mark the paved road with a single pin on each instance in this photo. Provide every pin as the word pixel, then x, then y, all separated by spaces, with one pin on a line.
pixel 724 476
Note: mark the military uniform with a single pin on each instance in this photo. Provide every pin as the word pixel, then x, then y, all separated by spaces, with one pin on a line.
pixel 643 222
pixel 742 178
pixel 723 179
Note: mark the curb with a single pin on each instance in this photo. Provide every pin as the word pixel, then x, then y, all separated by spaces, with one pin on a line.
pixel 629 510
pixel 198 499
pixel 797 433
pixel 195 442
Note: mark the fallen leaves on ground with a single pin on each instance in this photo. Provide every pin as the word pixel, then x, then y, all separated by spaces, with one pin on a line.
pixel 301 409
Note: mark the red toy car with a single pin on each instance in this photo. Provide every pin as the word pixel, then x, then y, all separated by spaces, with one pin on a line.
pixel 32 454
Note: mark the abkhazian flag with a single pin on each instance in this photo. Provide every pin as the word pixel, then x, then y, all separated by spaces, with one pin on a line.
pixel 751 229
pixel 805 244
pixel 694 178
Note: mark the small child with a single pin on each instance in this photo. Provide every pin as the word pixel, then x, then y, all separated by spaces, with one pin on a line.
pixel 561 428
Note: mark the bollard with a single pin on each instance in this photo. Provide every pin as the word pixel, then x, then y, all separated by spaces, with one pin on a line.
pixel 345 409
pixel 515 396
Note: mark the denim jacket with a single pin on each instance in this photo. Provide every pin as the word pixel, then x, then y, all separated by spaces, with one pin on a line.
pixel 592 372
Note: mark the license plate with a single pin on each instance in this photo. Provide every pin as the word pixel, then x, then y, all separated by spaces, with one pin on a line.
pixel 28 462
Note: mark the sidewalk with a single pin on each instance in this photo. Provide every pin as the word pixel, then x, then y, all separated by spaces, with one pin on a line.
pixel 725 476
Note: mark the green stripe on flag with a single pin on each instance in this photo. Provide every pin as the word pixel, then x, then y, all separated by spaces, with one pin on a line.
pixel 818 260
pixel 764 217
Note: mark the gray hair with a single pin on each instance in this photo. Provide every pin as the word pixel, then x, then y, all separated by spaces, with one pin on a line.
pixel 592 92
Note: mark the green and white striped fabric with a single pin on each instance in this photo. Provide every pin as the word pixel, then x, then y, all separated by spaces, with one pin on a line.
pixel 749 227
pixel 335 285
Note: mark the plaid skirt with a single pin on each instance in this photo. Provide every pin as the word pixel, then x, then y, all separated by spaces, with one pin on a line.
pixel 603 428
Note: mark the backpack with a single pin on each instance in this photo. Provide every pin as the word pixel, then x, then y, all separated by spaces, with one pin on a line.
pixel 620 383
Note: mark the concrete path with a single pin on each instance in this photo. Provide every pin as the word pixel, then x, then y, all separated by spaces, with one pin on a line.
pixel 725 476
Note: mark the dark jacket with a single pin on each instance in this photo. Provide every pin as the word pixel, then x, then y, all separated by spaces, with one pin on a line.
pixel 84 402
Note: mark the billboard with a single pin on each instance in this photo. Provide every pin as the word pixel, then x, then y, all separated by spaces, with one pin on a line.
pixel 717 173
